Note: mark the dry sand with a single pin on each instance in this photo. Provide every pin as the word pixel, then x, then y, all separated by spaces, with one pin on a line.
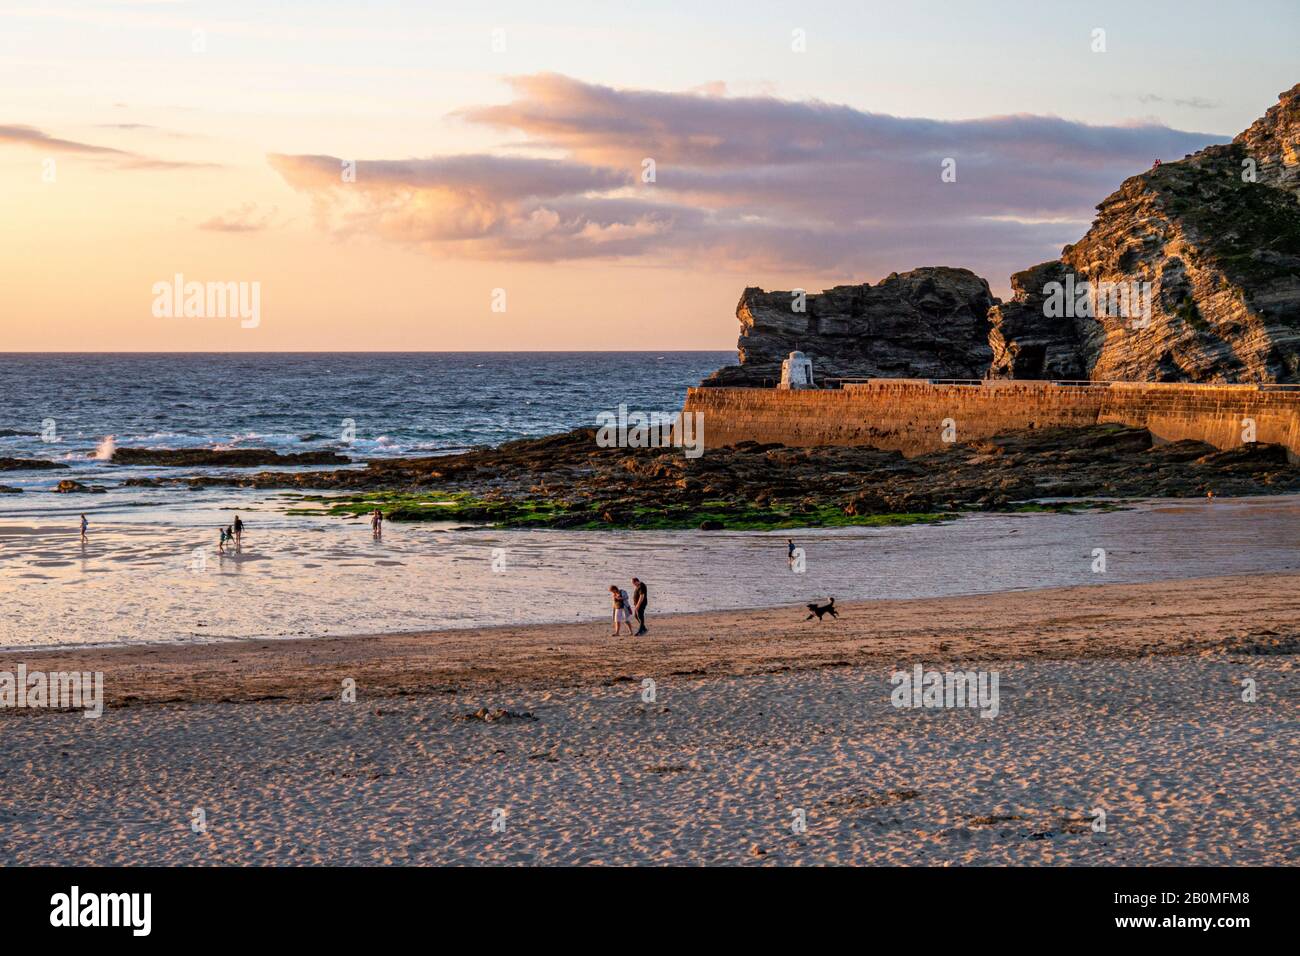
pixel 1126 698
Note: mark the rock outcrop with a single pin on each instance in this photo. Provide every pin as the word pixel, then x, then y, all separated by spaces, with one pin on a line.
pixel 1026 341
pixel 568 481
pixel 227 457
pixel 1273 141
pixel 927 323
pixel 69 487
pixel 28 464
pixel 1189 273
pixel 1206 249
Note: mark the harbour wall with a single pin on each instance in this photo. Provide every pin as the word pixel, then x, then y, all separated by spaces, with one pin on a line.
pixel 917 416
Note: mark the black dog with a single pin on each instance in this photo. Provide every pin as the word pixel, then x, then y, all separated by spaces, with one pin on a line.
pixel 820 609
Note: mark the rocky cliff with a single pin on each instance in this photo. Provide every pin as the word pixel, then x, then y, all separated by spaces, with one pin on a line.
pixel 1222 260
pixel 1189 273
pixel 1198 268
pixel 927 323
pixel 1026 341
pixel 1273 141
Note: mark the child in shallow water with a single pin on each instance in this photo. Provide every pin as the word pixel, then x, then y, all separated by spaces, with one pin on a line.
pixel 221 545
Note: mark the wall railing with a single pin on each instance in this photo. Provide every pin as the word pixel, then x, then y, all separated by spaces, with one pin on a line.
pixel 838 382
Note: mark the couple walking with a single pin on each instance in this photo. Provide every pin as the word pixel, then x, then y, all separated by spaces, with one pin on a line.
pixel 625 610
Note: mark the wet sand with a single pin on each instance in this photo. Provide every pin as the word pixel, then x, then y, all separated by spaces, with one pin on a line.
pixel 1124 698
pixel 1254 612
pixel 139 583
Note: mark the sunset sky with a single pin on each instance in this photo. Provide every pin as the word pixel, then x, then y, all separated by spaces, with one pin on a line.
pixel 143 139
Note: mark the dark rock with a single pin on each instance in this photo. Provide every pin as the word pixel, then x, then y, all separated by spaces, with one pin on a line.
pixel 498 715
pixel 29 464
pixel 230 458
pixel 927 323
pixel 7 490
pixel 68 486
pixel 1026 341
pixel 645 487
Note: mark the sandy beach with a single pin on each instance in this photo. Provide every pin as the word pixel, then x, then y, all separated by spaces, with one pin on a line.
pixel 1125 698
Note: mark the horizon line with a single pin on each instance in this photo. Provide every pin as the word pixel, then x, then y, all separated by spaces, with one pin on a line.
pixel 364 351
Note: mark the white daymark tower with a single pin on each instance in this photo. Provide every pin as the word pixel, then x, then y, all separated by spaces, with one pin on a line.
pixel 796 372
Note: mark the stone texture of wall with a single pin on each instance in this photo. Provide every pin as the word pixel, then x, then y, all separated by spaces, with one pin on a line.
pixel 910 415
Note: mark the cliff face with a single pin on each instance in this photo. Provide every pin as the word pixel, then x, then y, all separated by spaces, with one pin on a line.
pixel 1274 142
pixel 1026 341
pixel 927 323
pixel 1189 273
pixel 1207 250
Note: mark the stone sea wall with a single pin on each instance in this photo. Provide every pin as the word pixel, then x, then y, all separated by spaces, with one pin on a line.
pixel 911 415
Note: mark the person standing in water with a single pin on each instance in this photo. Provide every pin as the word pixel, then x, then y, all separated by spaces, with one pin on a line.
pixel 84 525
pixel 377 523
pixel 239 530
pixel 221 544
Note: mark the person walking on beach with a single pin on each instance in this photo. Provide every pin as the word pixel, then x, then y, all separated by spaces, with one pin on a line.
pixel 622 610
pixel 221 544
pixel 377 523
pixel 84 525
pixel 639 604
pixel 239 530
pixel 789 551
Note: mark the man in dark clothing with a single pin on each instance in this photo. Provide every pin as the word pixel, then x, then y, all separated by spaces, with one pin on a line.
pixel 639 603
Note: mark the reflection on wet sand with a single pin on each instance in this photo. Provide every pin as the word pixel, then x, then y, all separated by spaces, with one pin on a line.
pixel 157 582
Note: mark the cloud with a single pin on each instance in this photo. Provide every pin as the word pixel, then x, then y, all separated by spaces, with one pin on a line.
pixel 16 135
pixel 30 136
pixel 1195 102
pixel 246 218
pixel 747 183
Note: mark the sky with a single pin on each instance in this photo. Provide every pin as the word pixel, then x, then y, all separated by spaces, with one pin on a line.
pixel 385 175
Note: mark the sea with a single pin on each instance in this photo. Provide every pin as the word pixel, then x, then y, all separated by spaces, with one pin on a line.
pixel 75 408
pixel 150 570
